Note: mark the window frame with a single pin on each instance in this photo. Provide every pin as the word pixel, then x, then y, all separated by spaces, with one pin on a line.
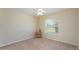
pixel 55 24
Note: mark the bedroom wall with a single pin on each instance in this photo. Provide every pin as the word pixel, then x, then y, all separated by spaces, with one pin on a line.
pixel 1 24
pixel 77 17
pixel 68 26
pixel 16 26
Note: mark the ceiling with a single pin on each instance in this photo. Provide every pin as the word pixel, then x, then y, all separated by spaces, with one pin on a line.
pixel 33 11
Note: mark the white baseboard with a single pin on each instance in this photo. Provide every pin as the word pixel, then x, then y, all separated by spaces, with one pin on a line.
pixel 15 41
pixel 64 42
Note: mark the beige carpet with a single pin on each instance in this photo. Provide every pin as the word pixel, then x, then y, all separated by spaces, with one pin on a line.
pixel 39 44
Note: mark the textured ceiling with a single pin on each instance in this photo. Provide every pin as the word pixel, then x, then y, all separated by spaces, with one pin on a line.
pixel 33 11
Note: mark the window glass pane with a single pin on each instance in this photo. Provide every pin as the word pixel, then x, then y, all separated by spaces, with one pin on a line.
pixel 51 26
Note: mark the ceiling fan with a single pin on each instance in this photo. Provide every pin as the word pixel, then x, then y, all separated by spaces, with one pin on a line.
pixel 40 12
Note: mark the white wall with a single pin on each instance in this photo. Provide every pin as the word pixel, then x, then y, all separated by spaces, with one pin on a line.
pixel 3 19
pixel 68 26
pixel 77 17
pixel 16 26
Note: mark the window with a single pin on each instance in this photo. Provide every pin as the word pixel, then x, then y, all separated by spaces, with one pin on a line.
pixel 51 26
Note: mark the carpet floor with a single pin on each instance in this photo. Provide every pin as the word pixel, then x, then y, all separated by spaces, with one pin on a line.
pixel 39 44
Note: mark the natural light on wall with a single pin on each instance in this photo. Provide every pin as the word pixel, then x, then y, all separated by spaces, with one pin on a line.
pixel 51 26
